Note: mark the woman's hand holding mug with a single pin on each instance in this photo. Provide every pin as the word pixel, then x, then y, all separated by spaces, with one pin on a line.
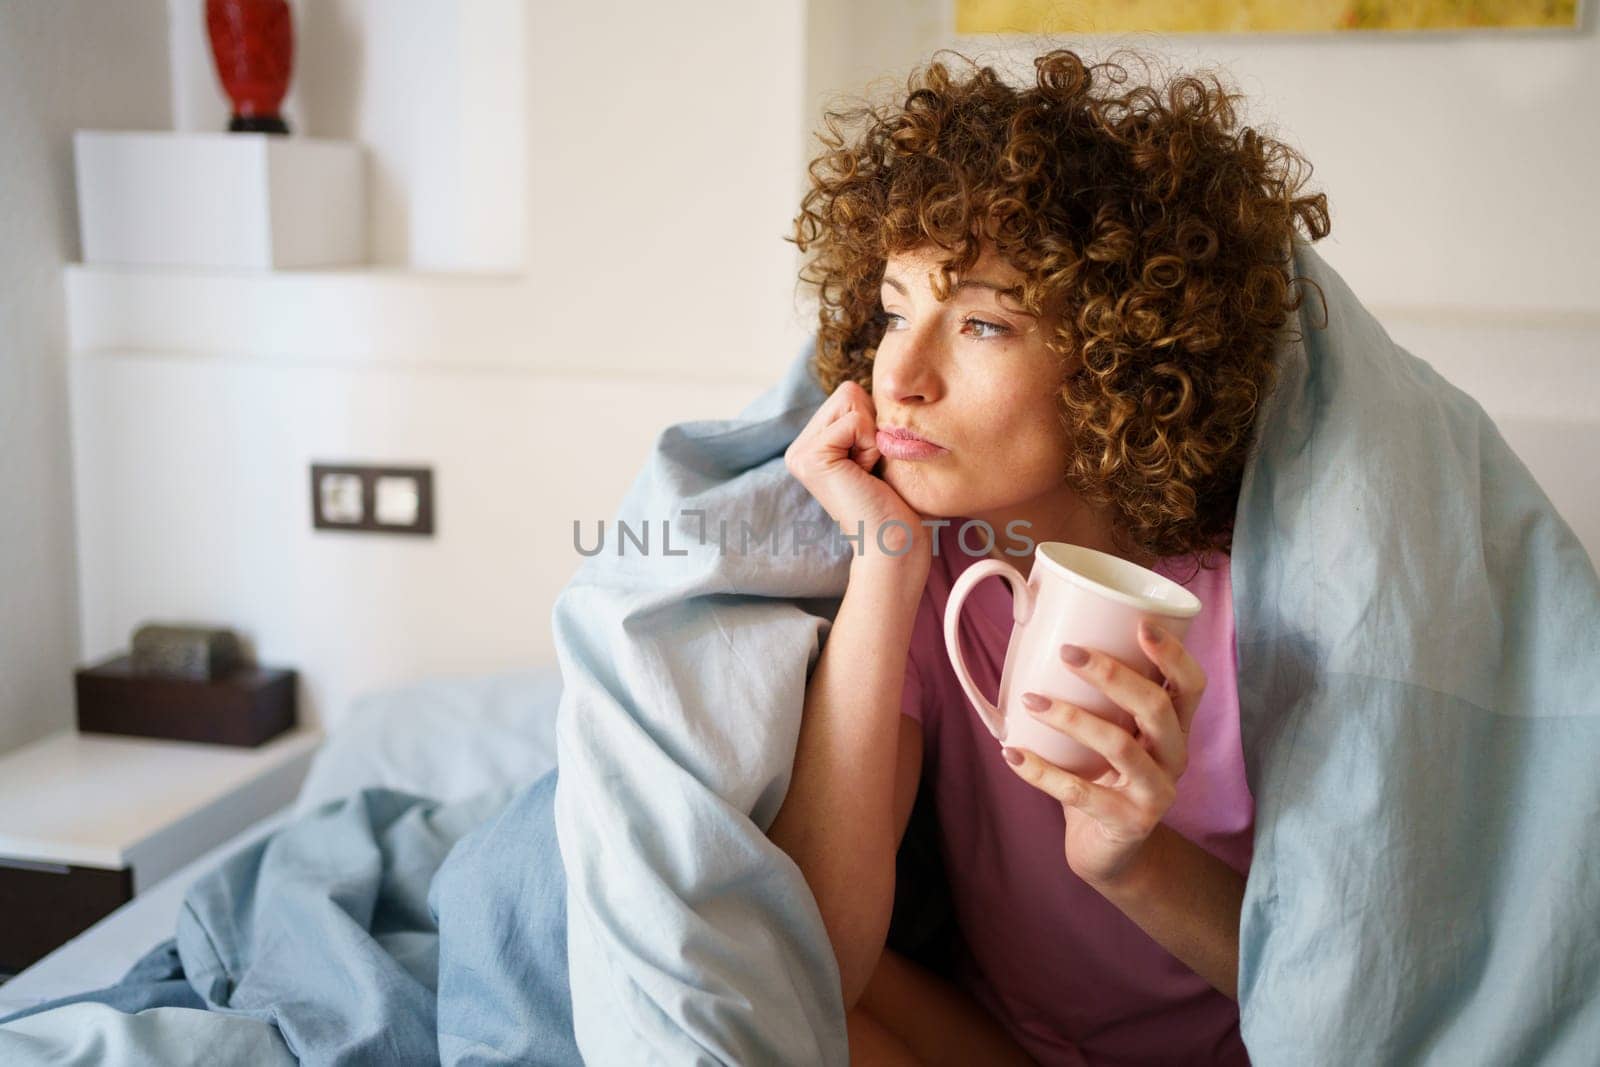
pixel 1096 695
pixel 1110 818
pixel 833 457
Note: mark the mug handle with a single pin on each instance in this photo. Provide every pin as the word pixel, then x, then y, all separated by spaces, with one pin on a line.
pixel 1021 610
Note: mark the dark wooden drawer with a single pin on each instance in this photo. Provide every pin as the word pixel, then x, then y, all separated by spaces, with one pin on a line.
pixel 248 706
pixel 44 905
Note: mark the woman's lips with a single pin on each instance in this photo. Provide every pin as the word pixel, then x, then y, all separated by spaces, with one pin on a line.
pixel 897 447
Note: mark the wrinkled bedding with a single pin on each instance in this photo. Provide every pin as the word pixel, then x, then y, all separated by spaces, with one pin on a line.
pixel 1419 663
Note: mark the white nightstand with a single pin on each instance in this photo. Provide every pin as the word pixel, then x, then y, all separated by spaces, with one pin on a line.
pixel 89 820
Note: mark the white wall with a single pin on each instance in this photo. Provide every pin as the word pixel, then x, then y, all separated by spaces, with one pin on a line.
pixel 662 159
pixel 435 91
pixel 63 64
pixel 663 166
pixel 1457 165
pixel 665 155
pixel 665 174
pixel 1459 169
pixel 194 499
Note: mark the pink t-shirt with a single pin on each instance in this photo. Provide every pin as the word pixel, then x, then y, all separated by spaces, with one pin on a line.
pixel 1073 978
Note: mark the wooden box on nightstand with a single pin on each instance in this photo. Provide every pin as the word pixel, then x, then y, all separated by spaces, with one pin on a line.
pixel 87 821
pixel 245 706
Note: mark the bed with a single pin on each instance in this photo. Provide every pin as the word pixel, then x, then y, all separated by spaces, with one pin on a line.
pixel 707 943
pixel 445 737
pixel 449 737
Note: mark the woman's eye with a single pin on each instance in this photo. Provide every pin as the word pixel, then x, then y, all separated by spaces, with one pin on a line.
pixel 984 329
pixel 998 330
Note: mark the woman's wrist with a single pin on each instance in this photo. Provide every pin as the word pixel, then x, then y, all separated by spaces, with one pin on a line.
pixel 1188 901
pixel 906 572
pixel 882 539
pixel 1142 875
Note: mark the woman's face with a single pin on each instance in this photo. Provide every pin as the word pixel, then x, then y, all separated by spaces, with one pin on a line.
pixel 973 375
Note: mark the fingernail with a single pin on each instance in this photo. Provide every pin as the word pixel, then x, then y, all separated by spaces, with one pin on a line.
pixel 1150 632
pixel 1012 756
pixel 1035 702
pixel 1074 655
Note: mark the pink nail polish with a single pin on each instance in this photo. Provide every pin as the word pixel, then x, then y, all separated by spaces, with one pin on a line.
pixel 1151 634
pixel 1074 655
pixel 1035 701
pixel 1012 756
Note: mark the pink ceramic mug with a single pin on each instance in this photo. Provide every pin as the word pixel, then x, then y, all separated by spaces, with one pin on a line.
pixel 1076 596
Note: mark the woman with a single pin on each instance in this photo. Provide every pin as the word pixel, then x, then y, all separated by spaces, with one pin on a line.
pixel 1052 309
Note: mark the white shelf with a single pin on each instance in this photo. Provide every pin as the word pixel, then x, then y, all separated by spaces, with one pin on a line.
pixel 99 800
pixel 222 200
pixel 375 318
pixel 356 315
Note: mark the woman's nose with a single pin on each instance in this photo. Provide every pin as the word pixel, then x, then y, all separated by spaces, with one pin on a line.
pixel 907 371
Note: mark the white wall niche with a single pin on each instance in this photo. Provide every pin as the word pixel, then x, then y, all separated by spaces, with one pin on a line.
pixel 219 200
pixel 436 92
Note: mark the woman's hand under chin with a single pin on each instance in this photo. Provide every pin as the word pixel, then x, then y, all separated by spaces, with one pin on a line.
pixel 1110 820
pixel 833 458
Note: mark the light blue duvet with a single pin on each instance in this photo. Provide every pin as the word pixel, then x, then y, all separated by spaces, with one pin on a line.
pixel 1419 679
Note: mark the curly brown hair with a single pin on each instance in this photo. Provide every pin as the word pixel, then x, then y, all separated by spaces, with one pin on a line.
pixel 1156 244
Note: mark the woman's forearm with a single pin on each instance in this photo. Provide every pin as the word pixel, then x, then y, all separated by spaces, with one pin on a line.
pixel 837 820
pixel 1189 902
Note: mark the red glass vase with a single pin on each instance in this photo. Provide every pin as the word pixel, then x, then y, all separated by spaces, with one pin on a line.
pixel 252 42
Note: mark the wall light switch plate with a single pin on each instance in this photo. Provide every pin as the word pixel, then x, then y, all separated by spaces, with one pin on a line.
pixel 373 499
pixel 397 499
pixel 340 497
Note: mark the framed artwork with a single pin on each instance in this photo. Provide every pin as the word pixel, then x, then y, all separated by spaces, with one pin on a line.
pixel 1258 16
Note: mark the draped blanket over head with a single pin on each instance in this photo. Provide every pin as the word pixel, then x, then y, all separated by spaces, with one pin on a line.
pixel 1419 663
pixel 1419 658
pixel 1419 689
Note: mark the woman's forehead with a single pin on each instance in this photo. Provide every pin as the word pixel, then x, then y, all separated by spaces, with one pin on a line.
pixel 917 263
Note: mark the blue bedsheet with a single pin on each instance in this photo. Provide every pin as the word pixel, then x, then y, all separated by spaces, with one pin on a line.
pixel 374 930
pixel 1419 685
pixel 1419 664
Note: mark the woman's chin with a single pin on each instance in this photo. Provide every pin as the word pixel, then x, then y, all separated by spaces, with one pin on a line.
pixel 925 495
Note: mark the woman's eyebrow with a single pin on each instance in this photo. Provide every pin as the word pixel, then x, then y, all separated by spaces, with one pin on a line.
pixel 1015 292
